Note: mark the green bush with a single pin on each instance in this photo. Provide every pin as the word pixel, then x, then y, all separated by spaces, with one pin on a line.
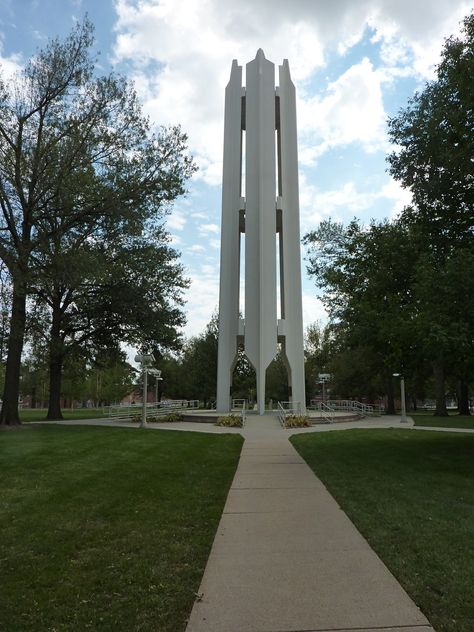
pixel 297 421
pixel 170 417
pixel 230 421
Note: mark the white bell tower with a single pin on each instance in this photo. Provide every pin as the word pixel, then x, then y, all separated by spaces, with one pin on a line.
pixel 264 209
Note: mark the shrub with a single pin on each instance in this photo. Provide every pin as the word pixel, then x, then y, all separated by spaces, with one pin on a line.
pixel 230 421
pixel 170 417
pixel 297 421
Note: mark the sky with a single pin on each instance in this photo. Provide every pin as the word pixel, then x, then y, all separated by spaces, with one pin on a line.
pixel 354 64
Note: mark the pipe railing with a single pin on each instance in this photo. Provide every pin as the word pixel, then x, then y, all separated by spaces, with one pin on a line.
pixel 239 403
pixel 281 413
pixel 327 412
pixel 159 409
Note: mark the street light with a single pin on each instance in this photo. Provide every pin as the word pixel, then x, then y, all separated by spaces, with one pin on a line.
pixel 157 374
pixel 323 378
pixel 145 360
pixel 402 395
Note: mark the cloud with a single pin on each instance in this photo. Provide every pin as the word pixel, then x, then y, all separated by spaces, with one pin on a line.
pixel 176 221
pixel 208 228
pixel 179 53
pixel 313 309
pixel 346 201
pixel 9 65
pixel 351 110
pixel 202 299
pixel 196 248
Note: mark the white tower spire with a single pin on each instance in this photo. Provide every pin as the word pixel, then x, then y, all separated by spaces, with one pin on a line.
pixel 268 212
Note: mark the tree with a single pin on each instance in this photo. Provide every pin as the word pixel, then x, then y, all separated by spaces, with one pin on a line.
pixel 366 275
pixel 96 297
pixel 200 363
pixel 5 307
pixel 318 354
pixel 435 139
pixel 77 156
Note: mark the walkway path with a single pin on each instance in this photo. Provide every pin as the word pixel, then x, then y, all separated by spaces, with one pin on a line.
pixel 286 557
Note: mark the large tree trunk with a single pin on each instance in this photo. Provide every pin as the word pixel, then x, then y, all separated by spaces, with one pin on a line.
pixel 463 398
pixel 438 369
pixel 56 357
pixel 9 413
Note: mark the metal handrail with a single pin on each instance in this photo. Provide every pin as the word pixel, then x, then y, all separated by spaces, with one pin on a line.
pixel 237 403
pixel 291 408
pixel 158 408
pixel 287 408
pixel 327 412
pixel 281 413
pixel 352 405
pixel 347 404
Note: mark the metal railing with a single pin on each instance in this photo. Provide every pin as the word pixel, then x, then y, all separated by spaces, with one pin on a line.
pixel 281 413
pixel 349 405
pixel 240 403
pixel 243 414
pixel 287 408
pixel 352 406
pixel 327 413
pixel 160 409
pixel 291 408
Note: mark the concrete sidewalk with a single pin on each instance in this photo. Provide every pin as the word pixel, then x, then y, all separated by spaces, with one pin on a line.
pixel 286 557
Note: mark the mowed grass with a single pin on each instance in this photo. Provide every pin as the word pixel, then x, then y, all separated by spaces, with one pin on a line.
pixel 107 528
pixel 411 494
pixel 453 421
pixel 39 414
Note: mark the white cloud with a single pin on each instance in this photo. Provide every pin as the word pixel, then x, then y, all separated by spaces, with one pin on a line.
pixel 401 197
pixel 202 300
pixel 313 309
pixel 196 248
pixel 208 228
pixel 181 52
pixel 176 221
pixel 343 203
pixel 416 30
pixel 9 65
pixel 350 111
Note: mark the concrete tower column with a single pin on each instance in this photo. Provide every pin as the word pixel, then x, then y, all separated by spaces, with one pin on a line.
pixel 230 238
pixel 270 206
pixel 260 220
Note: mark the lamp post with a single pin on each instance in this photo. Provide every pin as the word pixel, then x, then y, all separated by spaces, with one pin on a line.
pixel 402 396
pixel 323 379
pixel 145 361
pixel 157 375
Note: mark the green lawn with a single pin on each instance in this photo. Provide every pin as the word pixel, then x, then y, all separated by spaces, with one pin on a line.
pixel 39 414
pixel 107 528
pixel 453 421
pixel 411 494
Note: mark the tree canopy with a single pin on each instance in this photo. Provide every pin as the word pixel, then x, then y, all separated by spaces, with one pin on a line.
pixel 83 178
pixel 400 293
